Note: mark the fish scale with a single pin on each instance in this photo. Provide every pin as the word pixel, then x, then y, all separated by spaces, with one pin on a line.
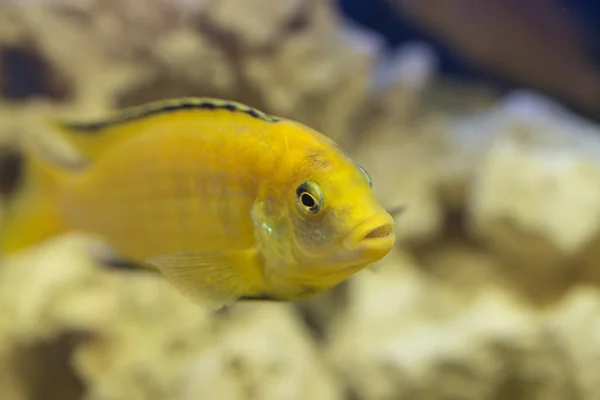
pixel 216 195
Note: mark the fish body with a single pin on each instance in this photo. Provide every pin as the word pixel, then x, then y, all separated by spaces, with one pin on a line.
pixel 224 200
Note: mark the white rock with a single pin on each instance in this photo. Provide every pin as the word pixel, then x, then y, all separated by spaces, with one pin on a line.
pixel 574 327
pixel 538 167
pixel 412 65
pixel 403 334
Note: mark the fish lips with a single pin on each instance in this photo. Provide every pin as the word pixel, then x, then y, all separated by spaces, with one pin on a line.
pixel 374 237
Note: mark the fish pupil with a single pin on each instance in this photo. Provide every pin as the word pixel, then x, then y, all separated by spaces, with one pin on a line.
pixel 308 200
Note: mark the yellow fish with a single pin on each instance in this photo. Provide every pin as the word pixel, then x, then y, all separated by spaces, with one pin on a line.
pixel 225 201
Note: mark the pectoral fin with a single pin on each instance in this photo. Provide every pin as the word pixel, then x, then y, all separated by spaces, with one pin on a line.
pixel 395 211
pixel 373 268
pixel 213 279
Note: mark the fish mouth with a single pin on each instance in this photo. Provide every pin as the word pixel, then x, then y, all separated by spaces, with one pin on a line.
pixel 376 234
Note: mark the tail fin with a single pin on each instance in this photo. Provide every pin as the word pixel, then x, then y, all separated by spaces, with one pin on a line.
pixel 29 213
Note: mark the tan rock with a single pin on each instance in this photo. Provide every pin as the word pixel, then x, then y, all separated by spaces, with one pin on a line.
pixel 407 336
pixel 263 352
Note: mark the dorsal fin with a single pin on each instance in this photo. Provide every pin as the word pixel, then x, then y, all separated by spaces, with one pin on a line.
pixel 91 138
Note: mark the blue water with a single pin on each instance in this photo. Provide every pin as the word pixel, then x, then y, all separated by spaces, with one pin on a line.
pixel 377 15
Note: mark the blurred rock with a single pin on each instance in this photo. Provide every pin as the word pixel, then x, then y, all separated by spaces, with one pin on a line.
pixel 400 134
pixel 137 338
pixel 407 336
pixel 574 328
pixel 548 160
pixel 264 353
pixel 535 196
pixel 175 49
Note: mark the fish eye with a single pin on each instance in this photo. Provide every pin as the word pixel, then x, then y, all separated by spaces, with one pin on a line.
pixel 309 197
pixel 366 174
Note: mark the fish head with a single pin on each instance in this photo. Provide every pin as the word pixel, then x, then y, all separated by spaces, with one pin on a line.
pixel 331 225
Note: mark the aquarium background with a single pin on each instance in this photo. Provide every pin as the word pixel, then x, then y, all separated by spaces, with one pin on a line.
pixel 480 116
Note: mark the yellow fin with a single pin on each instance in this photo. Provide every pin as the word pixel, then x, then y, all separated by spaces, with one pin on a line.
pixel 92 138
pixel 212 279
pixel 31 214
pixel 92 144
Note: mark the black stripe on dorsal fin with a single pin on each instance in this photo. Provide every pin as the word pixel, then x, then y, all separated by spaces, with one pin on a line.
pixel 166 106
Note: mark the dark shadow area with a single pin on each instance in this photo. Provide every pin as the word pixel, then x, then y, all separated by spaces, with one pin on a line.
pixel 10 171
pixel 46 369
pixel 26 74
pixel 397 29
pixel 316 312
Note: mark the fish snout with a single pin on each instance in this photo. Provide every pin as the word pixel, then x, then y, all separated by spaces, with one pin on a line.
pixel 376 234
